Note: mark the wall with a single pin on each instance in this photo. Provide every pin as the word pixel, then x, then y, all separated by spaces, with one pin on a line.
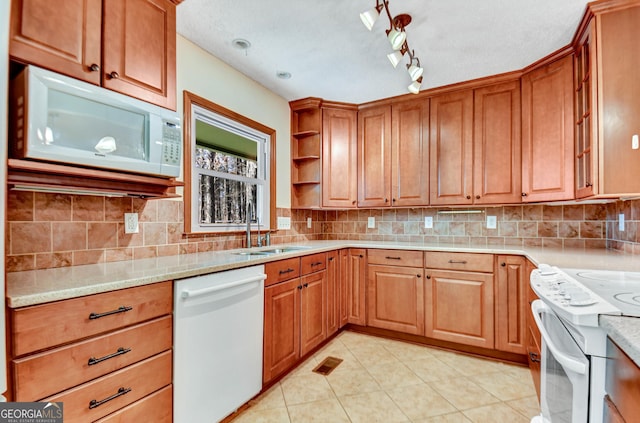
pixel 209 77
pixel 55 230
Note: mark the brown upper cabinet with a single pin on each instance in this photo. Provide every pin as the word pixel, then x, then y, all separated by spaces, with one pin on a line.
pixel 547 132
pixel 607 101
pixel 394 155
pixel 475 146
pixel 323 154
pixel 410 153
pixel 374 157
pixel 451 128
pixel 124 45
pixel 339 156
pixel 497 162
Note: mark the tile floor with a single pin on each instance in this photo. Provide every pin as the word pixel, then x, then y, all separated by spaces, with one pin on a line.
pixel 387 381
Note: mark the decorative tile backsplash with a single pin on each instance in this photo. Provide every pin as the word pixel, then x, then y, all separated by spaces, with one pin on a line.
pixel 57 230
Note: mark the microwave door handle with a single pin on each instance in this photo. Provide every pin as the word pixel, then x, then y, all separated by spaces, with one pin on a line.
pixel 538 307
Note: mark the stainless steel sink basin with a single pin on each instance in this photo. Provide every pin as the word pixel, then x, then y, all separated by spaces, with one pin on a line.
pixel 253 253
pixel 283 250
pixel 270 251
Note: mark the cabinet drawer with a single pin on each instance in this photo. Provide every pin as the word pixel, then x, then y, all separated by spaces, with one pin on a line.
pixel 37 327
pixel 396 257
pixel 472 262
pixel 132 383
pixel 50 372
pixel 282 270
pixel 313 263
pixel 154 408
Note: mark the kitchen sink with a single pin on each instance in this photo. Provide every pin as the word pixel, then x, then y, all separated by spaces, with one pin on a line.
pixel 270 251
pixel 283 250
pixel 253 253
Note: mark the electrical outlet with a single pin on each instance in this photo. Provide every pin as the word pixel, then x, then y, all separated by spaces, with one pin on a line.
pixel 309 222
pixel 428 222
pixel 284 223
pixel 131 223
pixel 621 222
pixel 635 143
pixel 371 222
pixel 492 222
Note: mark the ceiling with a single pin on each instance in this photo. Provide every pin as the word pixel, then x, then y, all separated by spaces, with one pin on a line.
pixel 330 54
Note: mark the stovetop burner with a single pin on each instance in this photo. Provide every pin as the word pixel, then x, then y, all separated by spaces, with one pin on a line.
pixel 609 276
pixel 621 289
pixel 631 298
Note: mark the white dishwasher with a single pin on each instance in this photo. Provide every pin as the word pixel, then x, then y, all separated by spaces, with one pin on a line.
pixel 217 355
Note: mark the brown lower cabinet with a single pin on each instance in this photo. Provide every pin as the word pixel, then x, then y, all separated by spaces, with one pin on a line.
pixel 353 268
pixel 459 298
pixel 105 355
pixel 512 281
pixel 295 312
pixel 395 291
pixel 622 387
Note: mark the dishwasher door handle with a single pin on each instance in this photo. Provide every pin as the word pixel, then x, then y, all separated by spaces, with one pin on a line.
pixel 186 294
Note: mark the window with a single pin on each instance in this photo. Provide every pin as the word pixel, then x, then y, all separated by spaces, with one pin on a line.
pixel 229 169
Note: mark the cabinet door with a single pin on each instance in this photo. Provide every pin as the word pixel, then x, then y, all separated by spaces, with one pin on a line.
pixel 313 324
pixel 395 298
pixel 410 153
pixel 344 284
pixel 459 307
pixel 451 128
pixel 352 270
pixel 496 144
pixel 63 36
pixel 333 292
pixel 339 158
pixel 619 94
pixel 512 282
pixel 374 157
pixel 547 132
pixel 139 49
pixel 586 151
pixel 281 328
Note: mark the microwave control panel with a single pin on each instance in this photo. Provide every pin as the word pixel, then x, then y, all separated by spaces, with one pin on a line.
pixel 171 144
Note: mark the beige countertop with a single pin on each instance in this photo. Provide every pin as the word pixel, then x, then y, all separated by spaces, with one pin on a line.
pixel 41 286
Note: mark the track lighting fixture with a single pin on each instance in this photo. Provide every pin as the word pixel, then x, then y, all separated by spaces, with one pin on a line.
pixel 398 39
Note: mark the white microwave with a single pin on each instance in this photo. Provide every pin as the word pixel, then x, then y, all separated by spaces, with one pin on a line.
pixel 63 120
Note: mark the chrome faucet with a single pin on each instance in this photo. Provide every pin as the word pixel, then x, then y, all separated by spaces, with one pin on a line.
pixel 248 216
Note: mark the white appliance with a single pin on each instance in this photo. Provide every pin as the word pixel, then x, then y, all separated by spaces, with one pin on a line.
pixel 60 119
pixel 574 346
pixel 217 361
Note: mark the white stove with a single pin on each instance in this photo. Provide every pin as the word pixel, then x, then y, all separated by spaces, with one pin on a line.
pixel 620 289
pixel 574 346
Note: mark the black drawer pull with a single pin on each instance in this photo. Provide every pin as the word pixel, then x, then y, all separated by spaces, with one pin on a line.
pixel 458 261
pixel 393 258
pixel 306 285
pixel 284 272
pixel 534 357
pixel 95 403
pixel 317 263
pixel 121 309
pixel 120 351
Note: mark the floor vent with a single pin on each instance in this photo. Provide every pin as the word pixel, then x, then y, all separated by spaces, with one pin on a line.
pixel 327 365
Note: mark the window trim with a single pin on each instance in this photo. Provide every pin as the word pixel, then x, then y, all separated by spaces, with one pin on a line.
pixel 190 99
